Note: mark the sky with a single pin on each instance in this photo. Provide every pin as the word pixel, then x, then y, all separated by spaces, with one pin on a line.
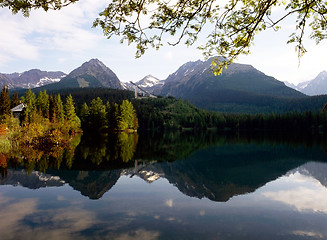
pixel 63 40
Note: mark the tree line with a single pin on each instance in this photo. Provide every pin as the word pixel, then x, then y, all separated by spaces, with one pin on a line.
pixel 170 113
pixel 109 116
pixel 120 113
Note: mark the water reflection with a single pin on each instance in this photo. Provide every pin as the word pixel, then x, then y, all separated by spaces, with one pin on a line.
pixel 304 188
pixel 179 187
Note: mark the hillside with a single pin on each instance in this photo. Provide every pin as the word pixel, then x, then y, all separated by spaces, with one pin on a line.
pixel 238 86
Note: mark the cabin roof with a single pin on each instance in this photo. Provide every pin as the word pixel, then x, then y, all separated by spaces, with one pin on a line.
pixel 18 108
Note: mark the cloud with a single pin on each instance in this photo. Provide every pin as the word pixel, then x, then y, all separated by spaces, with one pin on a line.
pixel 303 197
pixel 13 39
pixel 138 234
pixel 12 213
pixel 169 203
pixel 308 234
pixel 67 30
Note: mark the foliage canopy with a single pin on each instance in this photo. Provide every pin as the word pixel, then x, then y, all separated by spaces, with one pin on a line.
pixel 233 23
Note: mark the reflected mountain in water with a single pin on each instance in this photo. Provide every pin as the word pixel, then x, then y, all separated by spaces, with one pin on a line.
pixel 317 170
pixel 92 184
pixel 34 180
pixel 220 173
pixel 216 169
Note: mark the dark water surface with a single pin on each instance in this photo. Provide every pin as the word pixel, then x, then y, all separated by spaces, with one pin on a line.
pixel 171 186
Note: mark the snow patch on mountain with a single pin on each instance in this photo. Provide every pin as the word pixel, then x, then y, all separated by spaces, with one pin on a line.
pixel 149 81
pixel 317 86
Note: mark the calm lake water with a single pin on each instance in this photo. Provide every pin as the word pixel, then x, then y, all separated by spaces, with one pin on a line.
pixel 171 186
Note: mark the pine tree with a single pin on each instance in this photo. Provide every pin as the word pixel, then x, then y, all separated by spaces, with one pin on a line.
pixel 97 114
pixel 59 109
pixel 113 116
pixel 85 112
pixel 42 103
pixel 30 103
pixel 72 119
pixel 4 101
pixel 128 116
pixel 52 110
pixel 15 101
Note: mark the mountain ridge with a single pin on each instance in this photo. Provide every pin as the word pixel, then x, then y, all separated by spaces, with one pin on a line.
pixel 239 85
pixel 34 78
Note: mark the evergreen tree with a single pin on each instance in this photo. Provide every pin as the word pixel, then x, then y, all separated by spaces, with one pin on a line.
pixel 15 101
pixel 85 112
pixel 4 101
pixel 30 103
pixel 127 115
pixel 42 103
pixel 113 116
pixel 59 110
pixel 72 119
pixel 97 114
pixel 52 110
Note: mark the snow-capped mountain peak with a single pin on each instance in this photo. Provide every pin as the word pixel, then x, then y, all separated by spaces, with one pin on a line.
pixel 317 86
pixel 149 81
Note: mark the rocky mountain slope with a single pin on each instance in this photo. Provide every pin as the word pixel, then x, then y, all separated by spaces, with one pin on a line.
pixel 33 78
pixel 5 81
pixel 317 86
pixel 149 83
pixel 90 74
pixel 238 85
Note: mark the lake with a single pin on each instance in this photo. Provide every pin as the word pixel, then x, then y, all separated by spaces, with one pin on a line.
pixel 167 186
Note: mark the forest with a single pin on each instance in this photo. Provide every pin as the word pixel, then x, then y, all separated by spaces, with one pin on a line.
pixel 49 122
pixel 47 133
pixel 105 110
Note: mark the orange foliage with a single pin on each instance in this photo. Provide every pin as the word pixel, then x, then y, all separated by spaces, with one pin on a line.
pixel 3 129
pixel 3 161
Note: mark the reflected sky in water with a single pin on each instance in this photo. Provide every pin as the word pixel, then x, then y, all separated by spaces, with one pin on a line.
pixel 173 200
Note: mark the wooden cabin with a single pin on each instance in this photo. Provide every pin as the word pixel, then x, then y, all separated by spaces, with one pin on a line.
pixel 17 111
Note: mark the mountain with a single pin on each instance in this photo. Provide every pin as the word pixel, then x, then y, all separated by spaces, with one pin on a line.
pixel 92 184
pixel 33 180
pixel 33 78
pixel 239 85
pixel 4 81
pixel 148 83
pixel 317 86
pixel 317 170
pixel 91 74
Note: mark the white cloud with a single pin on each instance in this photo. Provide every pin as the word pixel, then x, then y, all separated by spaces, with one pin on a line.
pixel 13 39
pixel 169 203
pixel 303 197
pixel 67 30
